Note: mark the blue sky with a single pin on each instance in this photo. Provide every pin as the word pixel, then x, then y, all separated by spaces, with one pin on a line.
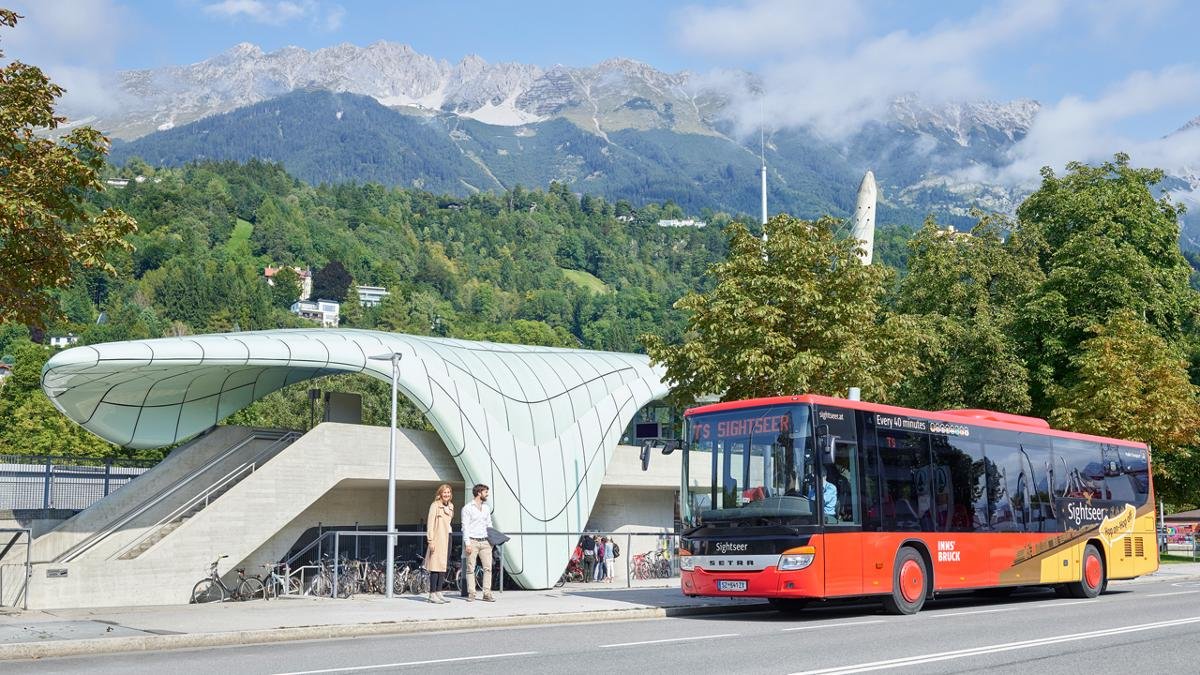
pixel 1109 73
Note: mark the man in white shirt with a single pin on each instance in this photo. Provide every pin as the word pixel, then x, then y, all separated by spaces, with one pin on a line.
pixel 476 519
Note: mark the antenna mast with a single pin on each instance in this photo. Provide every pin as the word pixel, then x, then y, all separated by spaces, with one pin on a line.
pixel 762 153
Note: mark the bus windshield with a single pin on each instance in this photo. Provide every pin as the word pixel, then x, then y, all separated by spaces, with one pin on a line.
pixel 750 463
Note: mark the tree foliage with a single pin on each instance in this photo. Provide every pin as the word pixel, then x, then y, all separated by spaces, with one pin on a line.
pixel 797 313
pixel 46 227
pixel 332 282
pixel 1128 382
pixel 965 290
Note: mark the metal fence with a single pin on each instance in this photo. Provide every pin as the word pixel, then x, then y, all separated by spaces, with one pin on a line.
pixel 71 483
pixel 646 559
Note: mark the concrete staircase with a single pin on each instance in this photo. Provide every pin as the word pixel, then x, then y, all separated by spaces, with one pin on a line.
pixel 125 516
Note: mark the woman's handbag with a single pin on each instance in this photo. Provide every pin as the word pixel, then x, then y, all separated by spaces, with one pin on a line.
pixel 496 537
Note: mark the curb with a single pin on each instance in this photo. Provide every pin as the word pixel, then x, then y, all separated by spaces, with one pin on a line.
pixel 62 648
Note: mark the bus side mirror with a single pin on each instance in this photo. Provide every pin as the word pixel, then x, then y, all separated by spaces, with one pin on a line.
pixel 824 441
pixel 645 455
pixel 669 446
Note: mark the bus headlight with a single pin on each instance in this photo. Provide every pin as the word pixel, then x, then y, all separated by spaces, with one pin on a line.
pixel 687 562
pixel 796 558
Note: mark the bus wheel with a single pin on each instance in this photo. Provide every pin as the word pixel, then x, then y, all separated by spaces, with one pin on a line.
pixel 1093 579
pixel 909 583
pixel 787 605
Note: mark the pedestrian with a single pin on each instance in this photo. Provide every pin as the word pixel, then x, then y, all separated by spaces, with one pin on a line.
pixel 609 559
pixel 601 572
pixel 589 556
pixel 476 519
pixel 437 540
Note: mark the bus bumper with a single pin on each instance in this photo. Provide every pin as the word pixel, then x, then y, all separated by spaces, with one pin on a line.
pixel 767 583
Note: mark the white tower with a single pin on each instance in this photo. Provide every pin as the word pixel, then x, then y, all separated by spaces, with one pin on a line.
pixel 864 217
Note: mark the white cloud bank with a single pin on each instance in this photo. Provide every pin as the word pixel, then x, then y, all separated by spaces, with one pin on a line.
pixel 828 67
pixel 280 12
pixel 75 42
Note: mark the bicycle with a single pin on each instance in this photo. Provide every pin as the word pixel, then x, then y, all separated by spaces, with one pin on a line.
pixel 213 589
pixel 651 565
pixel 322 583
pixel 573 574
pixel 280 584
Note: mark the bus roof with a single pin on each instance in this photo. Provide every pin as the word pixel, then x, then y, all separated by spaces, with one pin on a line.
pixel 983 418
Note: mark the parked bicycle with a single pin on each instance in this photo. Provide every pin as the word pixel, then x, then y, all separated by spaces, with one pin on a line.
pixel 573 574
pixel 213 589
pixel 279 581
pixel 322 582
pixel 651 565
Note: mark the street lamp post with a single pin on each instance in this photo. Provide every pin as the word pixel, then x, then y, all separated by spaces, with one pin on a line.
pixel 394 357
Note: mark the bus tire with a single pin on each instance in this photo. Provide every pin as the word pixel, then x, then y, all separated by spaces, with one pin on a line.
pixel 910 583
pixel 1093 578
pixel 788 605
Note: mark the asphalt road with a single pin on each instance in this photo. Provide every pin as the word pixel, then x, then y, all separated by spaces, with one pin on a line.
pixel 1145 627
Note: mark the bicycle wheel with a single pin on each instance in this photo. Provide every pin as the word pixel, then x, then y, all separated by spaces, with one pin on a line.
pixel 320 586
pixel 251 588
pixel 347 586
pixel 207 590
pixel 418 582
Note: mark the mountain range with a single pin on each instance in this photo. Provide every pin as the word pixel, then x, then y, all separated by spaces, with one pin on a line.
pixel 621 129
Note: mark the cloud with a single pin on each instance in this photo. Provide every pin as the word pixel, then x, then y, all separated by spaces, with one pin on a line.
pixel 1081 129
pixel 823 68
pixel 75 42
pixel 765 26
pixel 280 12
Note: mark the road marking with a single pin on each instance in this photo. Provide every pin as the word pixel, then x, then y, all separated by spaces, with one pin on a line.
pixel 978 611
pixel 834 625
pixel 992 649
pixel 654 642
pixel 1161 595
pixel 407 663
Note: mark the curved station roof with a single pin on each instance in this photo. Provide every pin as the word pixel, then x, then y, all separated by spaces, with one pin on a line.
pixel 537 424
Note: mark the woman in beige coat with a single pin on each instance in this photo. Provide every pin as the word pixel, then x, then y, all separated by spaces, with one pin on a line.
pixel 437 540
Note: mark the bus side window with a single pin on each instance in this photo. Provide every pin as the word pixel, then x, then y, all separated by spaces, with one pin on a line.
pixel 907 481
pixel 960 486
pixel 1081 463
pixel 1009 492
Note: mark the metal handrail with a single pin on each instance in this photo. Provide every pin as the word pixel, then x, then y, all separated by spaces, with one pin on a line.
pixel 233 477
pixel 86 545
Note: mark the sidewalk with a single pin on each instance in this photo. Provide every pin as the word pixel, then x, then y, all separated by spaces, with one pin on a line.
pixel 69 632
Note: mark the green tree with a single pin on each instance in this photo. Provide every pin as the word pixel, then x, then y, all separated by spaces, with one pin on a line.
pixel 45 224
pixel 965 289
pixel 1128 382
pixel 332 282
pixel 798 313
pixel 286 287
pixel 1110 246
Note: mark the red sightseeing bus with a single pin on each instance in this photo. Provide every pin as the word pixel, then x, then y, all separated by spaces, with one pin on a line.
pixel 802 498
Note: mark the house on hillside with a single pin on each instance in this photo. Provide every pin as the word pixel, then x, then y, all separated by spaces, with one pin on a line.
pixel 674 222
pixel 371 296
pixel 325 312
pixel 63 341
pixel 305 279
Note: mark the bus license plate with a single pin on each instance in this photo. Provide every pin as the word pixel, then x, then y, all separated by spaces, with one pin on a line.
pixel 731 585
